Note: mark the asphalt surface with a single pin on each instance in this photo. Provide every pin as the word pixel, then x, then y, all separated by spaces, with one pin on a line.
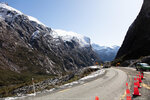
pixel 109 87
pixel 145 85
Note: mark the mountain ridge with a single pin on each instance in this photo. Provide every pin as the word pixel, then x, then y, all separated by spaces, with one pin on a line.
pixel 106 53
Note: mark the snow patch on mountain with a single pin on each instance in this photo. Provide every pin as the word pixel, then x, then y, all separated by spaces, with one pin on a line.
pixel 35 34
pixel 35 20
pixel 106 53
pixel 69 35
pixel 6 13
pixel 98 47
pixel 5 6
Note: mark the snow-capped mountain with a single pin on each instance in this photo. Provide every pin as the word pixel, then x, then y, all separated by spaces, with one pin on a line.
pixel 106 53
pixel 29 47
pixel 69 36
pixel 9 14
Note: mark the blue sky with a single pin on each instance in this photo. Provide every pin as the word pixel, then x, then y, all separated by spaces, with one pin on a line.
pixel 104 21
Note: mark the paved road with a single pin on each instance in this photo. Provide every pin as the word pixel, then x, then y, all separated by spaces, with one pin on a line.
pixel 109 87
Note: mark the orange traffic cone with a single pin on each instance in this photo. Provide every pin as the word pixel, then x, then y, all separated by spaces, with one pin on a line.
pixel 136 90
pixel 128 97
pixel 138 82
pixel 126 85
pixel 96 98
pixel 140 79
pixel 135 81
pixel 127 89
pixel 141 75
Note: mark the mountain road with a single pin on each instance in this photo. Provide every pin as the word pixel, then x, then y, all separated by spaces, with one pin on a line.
pixel 111 86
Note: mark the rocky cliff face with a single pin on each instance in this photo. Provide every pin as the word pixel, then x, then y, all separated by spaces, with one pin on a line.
pixel 137 40
pixel 29 47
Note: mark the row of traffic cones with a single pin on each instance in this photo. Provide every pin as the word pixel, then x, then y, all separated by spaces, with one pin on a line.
pixel 136 86
pixel 137 81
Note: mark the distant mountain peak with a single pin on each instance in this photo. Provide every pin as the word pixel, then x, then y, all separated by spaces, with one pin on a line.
pixel 99 47
pixel 106 53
